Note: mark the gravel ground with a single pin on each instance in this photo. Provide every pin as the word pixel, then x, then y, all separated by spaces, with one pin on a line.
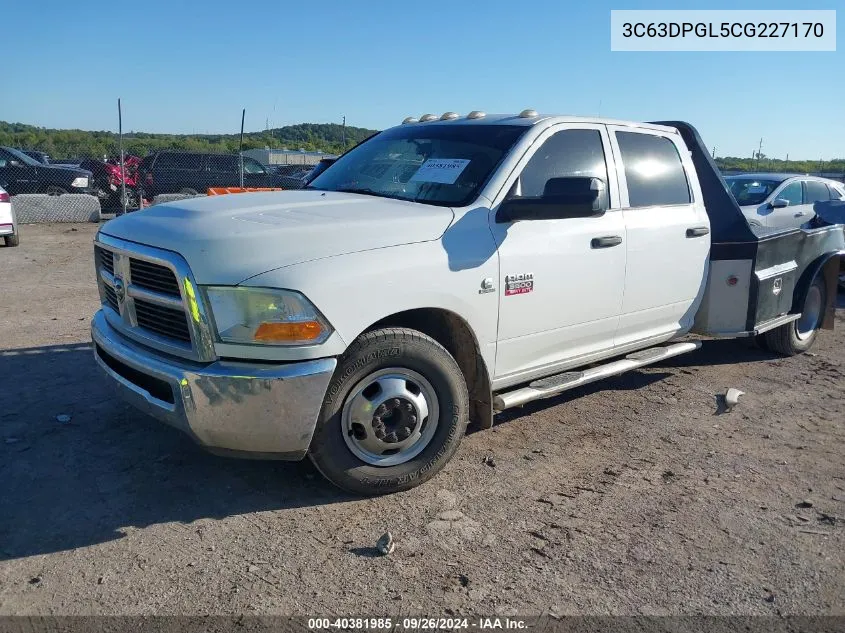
pixel 633 496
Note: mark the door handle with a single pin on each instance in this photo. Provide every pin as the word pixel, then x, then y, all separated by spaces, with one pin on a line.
pixel 697 231
pixel 606 241
pixel 800 214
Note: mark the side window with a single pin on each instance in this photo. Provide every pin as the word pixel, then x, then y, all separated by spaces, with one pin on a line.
pixel 653 170
pixel 252 166
pixel 5 157
pixel 792 194
pixel 567 153
pixel 188 162
pixel 835 194
pixel 815 192
pixel 223 163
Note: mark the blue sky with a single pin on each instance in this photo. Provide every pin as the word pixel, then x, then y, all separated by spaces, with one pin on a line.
pixel 191 66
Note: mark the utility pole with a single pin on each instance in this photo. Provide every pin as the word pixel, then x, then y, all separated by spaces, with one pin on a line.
pixel 759 151
pixel 714 152
pixel 343 134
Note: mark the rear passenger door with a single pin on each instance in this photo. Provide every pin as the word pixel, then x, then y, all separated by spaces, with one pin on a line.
pixel 222 171
pixel 814 191
pixel 667 230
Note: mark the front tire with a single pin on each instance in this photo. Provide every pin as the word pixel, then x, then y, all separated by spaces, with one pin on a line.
pixel 394 413
pixel 12 240
pixel 798 337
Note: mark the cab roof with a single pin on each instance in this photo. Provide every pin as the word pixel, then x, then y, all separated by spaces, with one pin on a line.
pixel 528 121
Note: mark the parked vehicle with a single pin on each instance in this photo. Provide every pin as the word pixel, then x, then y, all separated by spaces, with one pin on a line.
pixel 438 273
pixel 781 200
pixel 293 176
pixel 41 157
pixel 107 180
pixel 319 168
pixel 8 226
pixel 191 173
pixel 23 174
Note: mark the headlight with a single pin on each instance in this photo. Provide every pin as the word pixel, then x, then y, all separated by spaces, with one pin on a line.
pixel 81 182
pixel 265 316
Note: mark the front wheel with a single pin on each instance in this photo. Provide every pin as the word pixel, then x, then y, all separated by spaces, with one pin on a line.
pixel 798 337
pixel 12 240
pixel 394 413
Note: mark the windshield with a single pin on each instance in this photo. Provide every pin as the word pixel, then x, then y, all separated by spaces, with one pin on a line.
pixel 434 164
pixel 27 160
pixel 749 191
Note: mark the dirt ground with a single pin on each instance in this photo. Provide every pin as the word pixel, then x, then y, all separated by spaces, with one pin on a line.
pixel 632 496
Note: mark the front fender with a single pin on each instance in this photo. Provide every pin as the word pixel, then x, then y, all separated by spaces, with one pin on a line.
pixel 356 290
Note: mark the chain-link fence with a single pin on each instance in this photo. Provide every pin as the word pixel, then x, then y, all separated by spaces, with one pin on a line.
pixel 153 168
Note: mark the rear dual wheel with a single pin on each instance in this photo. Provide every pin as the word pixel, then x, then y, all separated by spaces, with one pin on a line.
pixel 798 336
pixel 394 413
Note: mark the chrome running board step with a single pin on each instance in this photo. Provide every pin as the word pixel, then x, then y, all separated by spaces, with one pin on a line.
pixel 559 383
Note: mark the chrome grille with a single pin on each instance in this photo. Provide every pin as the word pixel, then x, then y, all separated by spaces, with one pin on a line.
pixel 153 277
pixel 162 320
pixel 147 293
pixel 105 260
pixel 111 298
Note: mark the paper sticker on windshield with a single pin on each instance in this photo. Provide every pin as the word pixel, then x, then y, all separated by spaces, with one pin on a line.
pixel 442 170
pixel 756 189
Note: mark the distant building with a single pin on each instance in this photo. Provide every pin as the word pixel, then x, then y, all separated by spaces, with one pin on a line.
pixel 286 156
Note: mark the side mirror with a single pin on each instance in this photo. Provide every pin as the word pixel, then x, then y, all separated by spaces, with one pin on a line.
pixel 779 203
pixel 15 163
pixel 563 198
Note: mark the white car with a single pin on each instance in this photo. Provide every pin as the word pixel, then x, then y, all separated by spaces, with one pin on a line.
pixel 8 227
pixel 781 200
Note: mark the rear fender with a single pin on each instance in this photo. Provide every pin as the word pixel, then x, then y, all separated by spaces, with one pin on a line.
pixel 828 267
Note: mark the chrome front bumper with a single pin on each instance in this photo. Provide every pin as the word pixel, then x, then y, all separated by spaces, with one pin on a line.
pixel 248 409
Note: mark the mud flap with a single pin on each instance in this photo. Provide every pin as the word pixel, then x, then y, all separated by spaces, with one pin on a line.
pixel 831 282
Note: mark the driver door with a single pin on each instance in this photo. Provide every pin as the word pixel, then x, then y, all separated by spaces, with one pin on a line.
pixel 254 174
pixel 561 281
pixel 790 215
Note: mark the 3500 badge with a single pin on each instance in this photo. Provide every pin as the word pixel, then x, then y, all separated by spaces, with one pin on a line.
pixel 519 284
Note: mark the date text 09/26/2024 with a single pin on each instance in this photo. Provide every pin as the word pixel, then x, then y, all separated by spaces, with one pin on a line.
pixel 417 624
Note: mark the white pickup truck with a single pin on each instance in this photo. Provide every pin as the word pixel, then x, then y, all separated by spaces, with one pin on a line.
pixel 443 270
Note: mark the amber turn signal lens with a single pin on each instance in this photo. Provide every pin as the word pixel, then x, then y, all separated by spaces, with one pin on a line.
pixel 283 332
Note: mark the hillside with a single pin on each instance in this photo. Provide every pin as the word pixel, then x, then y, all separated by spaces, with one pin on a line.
pixel 325 137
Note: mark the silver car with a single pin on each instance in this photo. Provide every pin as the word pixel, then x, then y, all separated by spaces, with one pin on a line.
pixel 782 200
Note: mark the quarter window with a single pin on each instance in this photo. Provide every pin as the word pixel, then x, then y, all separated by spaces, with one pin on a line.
pixel 791 193
pixel 568 153
pixel 653 170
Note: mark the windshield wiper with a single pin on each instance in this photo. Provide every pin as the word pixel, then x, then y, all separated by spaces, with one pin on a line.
pixel 371 192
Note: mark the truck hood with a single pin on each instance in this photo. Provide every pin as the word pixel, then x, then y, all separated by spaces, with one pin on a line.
pixel 228 239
